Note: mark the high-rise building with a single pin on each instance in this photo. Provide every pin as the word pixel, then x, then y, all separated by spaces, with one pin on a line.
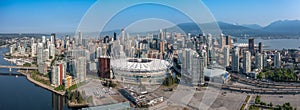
pixel 247 62
pixel 259 61
pixel 260 47
pixel 68 81
pixel 52 50
pixel 81 69
pixel 44 39
pixel 58 73
pixel 186 58
pixel 99 52
pixel 161 34
pixel 79 38
pixel 277 60
pixel 42 68
pixel 123 36
pixel 222 41
pixel 251 46
pixel 40 50
pixel 106 39
pixel 115 36
pixel 162 47
pixel 104 67
pixel 228 40
pixel 226 51
pixel 197 69
pixel 53 39
pixel 235 64
pixel 265 58
pixel 45 54
pixel 33 49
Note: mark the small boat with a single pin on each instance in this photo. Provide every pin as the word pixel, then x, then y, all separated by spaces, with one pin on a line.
pixel 17 76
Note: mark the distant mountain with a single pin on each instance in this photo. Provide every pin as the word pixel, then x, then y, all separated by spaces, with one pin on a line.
pixel 252 26
pixel 284 27
pixel 226 28
pixel 277 29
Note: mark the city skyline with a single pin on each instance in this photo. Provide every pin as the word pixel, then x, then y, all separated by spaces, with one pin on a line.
pixel 33 16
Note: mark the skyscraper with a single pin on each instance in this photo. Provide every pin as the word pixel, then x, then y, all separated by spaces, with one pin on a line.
pixel 235 64
pixel 251 46
pixel 33 49
pixel 259 61
pixel 104 67
pixel 58 73
pixel 228 40
pixel 260 47
pixel 115 36
pixel 247 62
pixel 79 38
pixel 226 51
pixel 123 36
pixel 161 35
pixel 197 69
pixel 277 60
pixel 45 54
pixel 99 52
pixel 52 50
pixel 43 39
pixel 265 58
pixel 53 39
pixel 81 69
pixel 40 49
pixel 222 41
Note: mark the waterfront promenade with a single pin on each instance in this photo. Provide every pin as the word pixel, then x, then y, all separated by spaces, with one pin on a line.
pixel 40 84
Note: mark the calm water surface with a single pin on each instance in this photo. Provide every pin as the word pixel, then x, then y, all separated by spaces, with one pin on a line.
pixel 17 93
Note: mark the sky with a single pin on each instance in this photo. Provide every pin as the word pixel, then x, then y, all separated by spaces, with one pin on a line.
pixel 40 16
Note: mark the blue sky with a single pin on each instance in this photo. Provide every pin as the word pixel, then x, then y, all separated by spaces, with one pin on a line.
pixel 65 15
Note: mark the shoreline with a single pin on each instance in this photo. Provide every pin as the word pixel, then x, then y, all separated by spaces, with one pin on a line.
pixel 28 77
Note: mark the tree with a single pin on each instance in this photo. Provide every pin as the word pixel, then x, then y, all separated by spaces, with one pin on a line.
pixel 257 100
pixel 27 64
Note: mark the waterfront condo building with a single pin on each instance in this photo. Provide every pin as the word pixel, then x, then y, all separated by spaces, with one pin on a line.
pixel 58 73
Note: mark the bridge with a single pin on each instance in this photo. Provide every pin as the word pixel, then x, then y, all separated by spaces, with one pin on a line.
pixel 18 67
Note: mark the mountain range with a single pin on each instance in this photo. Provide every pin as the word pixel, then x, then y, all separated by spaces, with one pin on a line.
pixel 277 29
pixel 281 28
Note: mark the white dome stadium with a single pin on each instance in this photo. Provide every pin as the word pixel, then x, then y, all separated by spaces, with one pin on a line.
pixel 136 71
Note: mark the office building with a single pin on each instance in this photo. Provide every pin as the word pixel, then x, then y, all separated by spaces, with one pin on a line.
pixel 251 46
pixel 235 64
pixel 260 47
pixel 104 67
pixel 228 40
pixel 115 36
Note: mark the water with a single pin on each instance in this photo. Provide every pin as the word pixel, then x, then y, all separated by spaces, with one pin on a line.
pixel 278 44
pixel 17 93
